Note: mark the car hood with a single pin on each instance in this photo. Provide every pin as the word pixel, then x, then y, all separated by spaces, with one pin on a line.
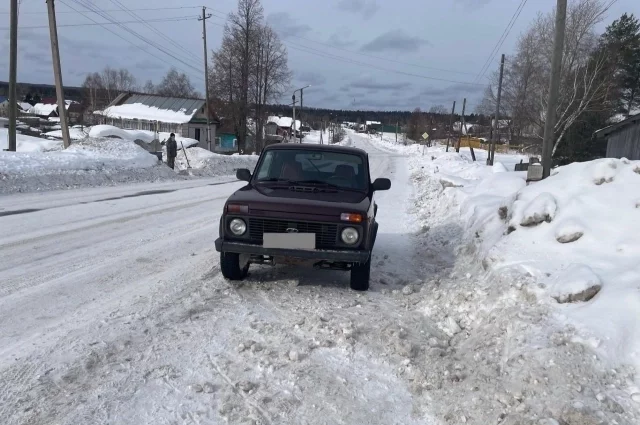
pixel 273 199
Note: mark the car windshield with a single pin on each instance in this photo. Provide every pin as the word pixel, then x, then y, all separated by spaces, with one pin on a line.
pixel 302 166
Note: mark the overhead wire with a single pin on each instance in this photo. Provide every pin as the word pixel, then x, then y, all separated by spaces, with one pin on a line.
pixel 294 46
pixel 162 49
pixel 120 36
pixel 167 19
pixel 156 31
pixel 500 41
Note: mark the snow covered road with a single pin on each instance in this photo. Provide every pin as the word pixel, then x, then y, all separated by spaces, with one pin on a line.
pixel 113 311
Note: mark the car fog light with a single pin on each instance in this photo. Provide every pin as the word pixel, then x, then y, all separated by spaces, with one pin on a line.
pixel 350 236
pixel 238 227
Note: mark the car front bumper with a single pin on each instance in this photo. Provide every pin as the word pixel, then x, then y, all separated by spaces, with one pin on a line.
pixel 344 256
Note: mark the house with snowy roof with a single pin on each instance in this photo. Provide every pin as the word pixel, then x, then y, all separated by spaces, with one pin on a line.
pixel 623 137
pixel 186 117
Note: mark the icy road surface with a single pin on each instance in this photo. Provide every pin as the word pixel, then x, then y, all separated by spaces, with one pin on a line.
pixel 113 311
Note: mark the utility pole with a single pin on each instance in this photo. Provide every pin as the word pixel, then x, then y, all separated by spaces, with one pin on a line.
pixel 13 76
pixel 453 111
pixel 464 107
pixel 396 132
pixel 496 125
pixel 554 87
pixel 294 117
pixel 204 17
pixel 57 70
pixel 301 94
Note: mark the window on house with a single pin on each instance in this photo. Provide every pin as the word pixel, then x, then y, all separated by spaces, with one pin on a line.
pixel 197 134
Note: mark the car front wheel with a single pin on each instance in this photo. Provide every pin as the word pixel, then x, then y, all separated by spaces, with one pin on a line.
pixel 231 267
pixel 360 276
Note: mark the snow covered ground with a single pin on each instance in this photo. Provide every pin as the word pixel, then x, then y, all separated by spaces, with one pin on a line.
pixel 113 310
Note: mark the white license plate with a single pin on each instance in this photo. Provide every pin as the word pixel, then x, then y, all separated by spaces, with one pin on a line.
pixel 289 240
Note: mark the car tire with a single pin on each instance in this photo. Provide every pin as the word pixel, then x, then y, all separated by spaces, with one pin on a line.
pixel 360 274
pixel 230 266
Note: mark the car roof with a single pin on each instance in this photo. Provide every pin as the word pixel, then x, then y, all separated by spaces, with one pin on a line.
pixel 316 147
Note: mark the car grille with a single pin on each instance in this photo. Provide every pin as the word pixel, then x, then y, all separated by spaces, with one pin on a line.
pixel 326 234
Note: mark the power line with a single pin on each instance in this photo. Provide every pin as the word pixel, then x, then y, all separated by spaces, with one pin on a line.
pixel 120 36
pixel 58 12
pixel 316 52
pixel 109 18
pixel 162 35
pixel 175 19
pixel 501 40
pixel 374 56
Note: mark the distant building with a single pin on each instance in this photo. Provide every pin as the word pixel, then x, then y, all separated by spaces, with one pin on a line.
pixel 183 116
pixel 623 138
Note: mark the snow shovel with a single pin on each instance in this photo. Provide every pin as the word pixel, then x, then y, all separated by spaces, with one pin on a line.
pixel 185 155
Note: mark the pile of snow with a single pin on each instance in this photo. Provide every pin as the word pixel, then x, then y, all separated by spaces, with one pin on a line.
pixel 572 235
pixel 89 154
pixel 74 133
pixel 29 143
pixel 149 113
pixel 205 163
pixel 145 136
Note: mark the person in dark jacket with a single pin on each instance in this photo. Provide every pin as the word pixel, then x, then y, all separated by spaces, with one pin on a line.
pixel 172 150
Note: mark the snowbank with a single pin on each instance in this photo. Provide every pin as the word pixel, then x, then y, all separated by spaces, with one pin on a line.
pixel 29 143
pixel 141 135
pixel 572 234
pixel 74 133
pixel 89 162
pixel 206 163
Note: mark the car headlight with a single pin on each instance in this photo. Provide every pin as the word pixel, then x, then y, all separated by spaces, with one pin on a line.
pixel 238 227
pixel 350 236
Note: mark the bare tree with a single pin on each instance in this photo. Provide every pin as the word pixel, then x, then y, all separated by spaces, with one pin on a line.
pixel 525 84
pixel 438 109
pixel 176 84
pixel 245 26
pixel 149 87
pixel 271 77
pixel 249 69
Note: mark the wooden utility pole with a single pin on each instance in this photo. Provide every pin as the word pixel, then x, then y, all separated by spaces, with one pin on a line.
pixel 396 132
pixel 554 87
pixel 301 105
pixel 204 18
pixel 464 107
pixel 294 117
pixel 57 71
pixel 13 76
pixel 496 124
pixel 453 110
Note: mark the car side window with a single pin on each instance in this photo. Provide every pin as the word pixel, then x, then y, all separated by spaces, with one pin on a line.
pixel 265 168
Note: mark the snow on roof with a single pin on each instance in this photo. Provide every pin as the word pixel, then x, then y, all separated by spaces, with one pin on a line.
pixel 153 108
pixel 285 122
pixel 149 113
pixel 373 123
pixel 43 109
pixel 24 106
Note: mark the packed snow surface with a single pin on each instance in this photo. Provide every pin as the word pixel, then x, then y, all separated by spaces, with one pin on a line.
pixel 145 136
pixel 113 308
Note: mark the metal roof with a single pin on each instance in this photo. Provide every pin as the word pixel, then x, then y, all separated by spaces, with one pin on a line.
pixel 604 132
pixel 176 104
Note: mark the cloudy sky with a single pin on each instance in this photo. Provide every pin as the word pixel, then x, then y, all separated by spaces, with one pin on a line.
pixel 356 54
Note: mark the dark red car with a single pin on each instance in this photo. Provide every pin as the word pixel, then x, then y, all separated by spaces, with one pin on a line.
pixel 304 204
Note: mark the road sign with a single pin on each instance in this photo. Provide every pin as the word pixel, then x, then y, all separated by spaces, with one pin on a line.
pixel 425 136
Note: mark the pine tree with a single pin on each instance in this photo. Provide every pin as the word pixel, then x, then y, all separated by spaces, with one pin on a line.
pixel 622 43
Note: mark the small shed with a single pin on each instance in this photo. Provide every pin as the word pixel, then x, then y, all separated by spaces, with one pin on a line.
pixel 623 138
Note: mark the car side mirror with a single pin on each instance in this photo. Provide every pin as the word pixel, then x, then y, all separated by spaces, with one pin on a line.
pixel 243 174
pixel 381 184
